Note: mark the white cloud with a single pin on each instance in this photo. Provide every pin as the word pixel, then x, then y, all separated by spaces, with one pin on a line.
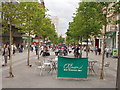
pixel 64 10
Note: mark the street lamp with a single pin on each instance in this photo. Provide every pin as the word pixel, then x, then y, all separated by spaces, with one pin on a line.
pixel 118 66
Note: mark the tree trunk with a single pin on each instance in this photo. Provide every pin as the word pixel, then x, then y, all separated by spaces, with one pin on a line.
pixel 104 46
pixel 38 49
pixel 87 48
pixel 11 73
pixel 103 57
pixel 28 60
pixel 81 48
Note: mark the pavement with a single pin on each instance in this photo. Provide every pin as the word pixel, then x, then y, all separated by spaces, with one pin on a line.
pixel 28 77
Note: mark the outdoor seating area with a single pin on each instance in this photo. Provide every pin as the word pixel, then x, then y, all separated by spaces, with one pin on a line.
pixel 50 65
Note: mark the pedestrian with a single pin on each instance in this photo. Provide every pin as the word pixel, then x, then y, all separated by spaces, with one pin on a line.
pixel 14 48
pixel 21 48
pixel 36 49
pixel 56 51
pixel 110 52
pixel 44 51
pixel 107 52
pixel 47 53
pixel 96 50
pixel 42 47
pixel 76 51
pixel 5 53
pixel 9 51
pixel 69 49
pixel 99 51
pixel 32 47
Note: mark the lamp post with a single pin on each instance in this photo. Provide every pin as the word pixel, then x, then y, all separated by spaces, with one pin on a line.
pixel 118 66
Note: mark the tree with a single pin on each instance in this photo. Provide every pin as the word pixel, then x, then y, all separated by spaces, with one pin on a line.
pixel 9 14
pixel 45 29
pixel 30 20
pixel 60 39
pixel 38 24
pixel 86 23
pixel 89 19
pixel 105 10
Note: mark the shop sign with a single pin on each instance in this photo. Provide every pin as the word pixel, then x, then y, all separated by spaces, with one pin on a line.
pixel 72 67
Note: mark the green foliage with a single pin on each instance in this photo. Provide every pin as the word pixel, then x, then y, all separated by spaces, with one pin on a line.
pixel 29 17
pixel 87 22
pixel 31 14
pixel 60 40
pixel 10 14
pixel 46 29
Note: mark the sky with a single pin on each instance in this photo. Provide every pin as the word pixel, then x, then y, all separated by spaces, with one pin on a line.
pixel 64 10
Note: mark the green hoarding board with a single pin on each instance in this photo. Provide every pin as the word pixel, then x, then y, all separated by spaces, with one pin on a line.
pixel 115 52
pixel 72 67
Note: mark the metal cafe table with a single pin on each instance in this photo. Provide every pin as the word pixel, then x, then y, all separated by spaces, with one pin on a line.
pixel 91 69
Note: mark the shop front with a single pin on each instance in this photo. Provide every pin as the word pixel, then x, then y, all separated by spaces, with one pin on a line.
pixel 111 40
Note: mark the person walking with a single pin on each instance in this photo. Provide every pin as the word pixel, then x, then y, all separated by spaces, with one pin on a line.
pixel 56 51
pixel 69 49
pixel 5 53
pixel 31 46
pixel 107 52
pixel 14 48
pixel 99 51
pixel 36 49
pixel 20 48
pixel 96 50
pixel 76 51
pixel 8 46
pixel 42 47
pixel 44 51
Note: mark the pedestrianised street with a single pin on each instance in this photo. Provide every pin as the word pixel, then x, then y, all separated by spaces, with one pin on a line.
pixel 29 77
pixel 60 44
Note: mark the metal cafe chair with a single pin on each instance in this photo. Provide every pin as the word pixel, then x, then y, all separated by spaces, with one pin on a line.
pixel 53 62
pixel 38 65
pixel 43 66
pixel 53 66
pixel 91 67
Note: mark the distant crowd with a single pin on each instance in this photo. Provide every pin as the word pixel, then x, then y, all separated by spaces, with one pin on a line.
pixel 44 50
